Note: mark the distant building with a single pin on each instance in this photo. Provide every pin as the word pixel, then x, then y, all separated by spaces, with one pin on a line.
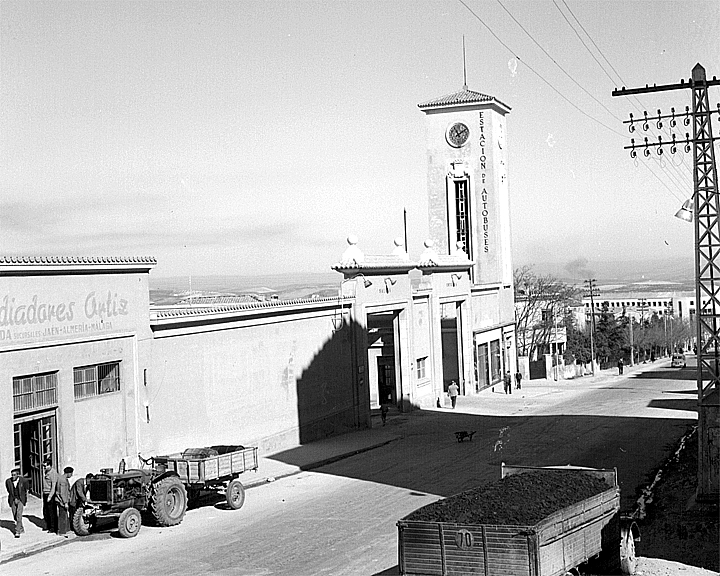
pixel 639 305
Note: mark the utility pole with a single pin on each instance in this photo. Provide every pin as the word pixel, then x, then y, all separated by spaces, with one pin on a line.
pixel 706 217
pixel 557 368
pixel 632 345
pixel 593 291
pixel 642 327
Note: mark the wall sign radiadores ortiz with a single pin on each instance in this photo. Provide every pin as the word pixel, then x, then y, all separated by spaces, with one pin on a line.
pixel 484 213
pixel 41 317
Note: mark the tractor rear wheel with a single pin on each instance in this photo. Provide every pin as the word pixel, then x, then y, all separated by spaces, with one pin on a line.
pixel 129 523
pixel 235 494
pixel 169 501
pixel 81 525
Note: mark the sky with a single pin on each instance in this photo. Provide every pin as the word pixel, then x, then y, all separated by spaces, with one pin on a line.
pixel 252 137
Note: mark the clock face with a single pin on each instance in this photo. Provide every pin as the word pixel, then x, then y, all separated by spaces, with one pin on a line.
pixel 457 135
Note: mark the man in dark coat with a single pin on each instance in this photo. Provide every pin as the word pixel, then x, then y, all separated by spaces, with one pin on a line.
pixel 17 489
pixel 78 495
pixel 63 501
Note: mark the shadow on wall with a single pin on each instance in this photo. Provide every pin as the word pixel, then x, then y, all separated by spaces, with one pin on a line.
pixel 332 394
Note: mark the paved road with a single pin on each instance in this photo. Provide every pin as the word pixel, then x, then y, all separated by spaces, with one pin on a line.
pixel 340 519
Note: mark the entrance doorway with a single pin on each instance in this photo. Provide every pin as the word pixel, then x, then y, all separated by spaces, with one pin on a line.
pixel 452 354
pixel 383 358
pixel 386 380
pixel 35 440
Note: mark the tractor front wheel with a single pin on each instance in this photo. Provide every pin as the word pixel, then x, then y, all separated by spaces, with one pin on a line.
pixel 169 501
pixel 80 524
pixel 129 523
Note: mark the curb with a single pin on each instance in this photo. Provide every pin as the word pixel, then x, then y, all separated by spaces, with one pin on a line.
pixel 37 548
pixel 259 481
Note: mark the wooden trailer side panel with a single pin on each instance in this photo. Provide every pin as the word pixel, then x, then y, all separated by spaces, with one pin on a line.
pixel 434 548
pixel 198 470
pixel 576 533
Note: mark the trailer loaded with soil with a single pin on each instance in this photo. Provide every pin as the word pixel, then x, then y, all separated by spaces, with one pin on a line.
pixel 164 488
pixel 533 521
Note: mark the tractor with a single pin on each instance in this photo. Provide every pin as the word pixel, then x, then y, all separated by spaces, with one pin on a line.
pixel 124 495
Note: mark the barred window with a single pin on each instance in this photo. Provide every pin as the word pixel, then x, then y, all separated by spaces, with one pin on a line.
pixel 94 380
pixel 36 391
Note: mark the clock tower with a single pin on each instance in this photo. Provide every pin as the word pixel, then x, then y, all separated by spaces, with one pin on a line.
pixel 468 181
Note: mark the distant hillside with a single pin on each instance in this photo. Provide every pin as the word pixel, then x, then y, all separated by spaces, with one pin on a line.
pixel 170 290
pixel 677 273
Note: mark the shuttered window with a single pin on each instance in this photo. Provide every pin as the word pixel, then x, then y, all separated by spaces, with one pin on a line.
pixel 33 392
pixel 95 380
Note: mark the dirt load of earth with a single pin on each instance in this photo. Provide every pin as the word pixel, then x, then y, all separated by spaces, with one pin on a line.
pixel 516 500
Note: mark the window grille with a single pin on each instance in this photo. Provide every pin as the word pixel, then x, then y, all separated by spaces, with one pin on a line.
pixel 94 380
pixel 33 392
pixel 462 215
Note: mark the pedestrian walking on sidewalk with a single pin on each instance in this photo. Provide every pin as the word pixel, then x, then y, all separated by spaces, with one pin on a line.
pixel 453 391
pixel 518 380
pixel 383 412
pixel 507 381
pixel 17 489
pixel 50 481
pixel 63 501
pixel 621 364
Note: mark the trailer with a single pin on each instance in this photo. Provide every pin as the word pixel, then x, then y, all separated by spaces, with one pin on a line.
pixel 211 468
pixel 589 530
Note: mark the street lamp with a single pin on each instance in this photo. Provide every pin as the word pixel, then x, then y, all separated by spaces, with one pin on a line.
pixel 686 211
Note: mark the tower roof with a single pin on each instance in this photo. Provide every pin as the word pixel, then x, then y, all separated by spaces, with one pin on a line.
pixel 462 98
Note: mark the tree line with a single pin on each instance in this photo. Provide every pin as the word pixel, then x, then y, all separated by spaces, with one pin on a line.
pixel 544 304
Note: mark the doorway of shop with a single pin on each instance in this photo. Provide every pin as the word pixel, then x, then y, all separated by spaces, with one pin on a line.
pixel 35 440
pixel 386 380
pixel 452 355
pixel 383 358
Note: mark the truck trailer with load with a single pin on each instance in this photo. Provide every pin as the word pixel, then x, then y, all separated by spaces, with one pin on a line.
pixel 533 522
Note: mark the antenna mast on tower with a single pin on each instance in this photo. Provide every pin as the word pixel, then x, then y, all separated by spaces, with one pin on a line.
pixel 464 66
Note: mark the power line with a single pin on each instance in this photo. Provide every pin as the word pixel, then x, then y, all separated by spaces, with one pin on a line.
pixel 675 175
pixel 538 74
pixel 556 63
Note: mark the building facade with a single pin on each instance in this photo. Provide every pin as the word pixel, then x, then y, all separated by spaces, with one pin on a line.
pixel 91 372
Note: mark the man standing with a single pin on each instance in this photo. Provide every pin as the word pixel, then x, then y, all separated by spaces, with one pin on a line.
pixel 620 365
pixel 63 501
pixel 453 392
pixel 17 489
pixel 50 481
pixel 518 380
pixel 508 382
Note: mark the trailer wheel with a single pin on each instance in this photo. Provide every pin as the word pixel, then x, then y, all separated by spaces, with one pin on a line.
pixel 628 534
pixel 80 524
pixel 129 523
pixel 235 494
pixel 169 501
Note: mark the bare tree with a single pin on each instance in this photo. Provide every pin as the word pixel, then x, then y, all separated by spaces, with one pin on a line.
pixel 533 295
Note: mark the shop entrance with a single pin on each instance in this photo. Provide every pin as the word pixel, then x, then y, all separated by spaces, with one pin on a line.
pixel 452 354
pixel 386 380
pixel 35 439
pixel 384 358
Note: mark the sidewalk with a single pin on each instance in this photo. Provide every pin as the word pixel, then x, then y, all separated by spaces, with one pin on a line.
pixel 270 468
pixel 309 456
